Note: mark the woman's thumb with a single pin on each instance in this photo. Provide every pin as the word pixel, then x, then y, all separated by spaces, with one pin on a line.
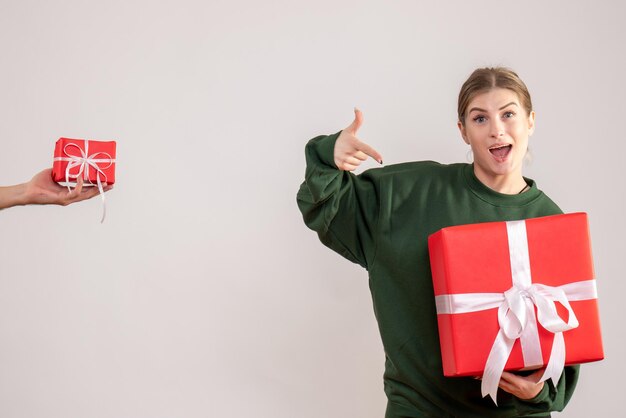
pixel 357 122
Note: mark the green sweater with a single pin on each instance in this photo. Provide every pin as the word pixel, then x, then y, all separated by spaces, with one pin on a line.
pixel 381 219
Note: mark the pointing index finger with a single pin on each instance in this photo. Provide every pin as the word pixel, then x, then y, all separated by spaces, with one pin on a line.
pixel 362 146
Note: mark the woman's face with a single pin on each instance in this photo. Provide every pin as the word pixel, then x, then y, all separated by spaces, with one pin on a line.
pixel 497 128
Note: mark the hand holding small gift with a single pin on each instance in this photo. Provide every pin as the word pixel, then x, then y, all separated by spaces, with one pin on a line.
pixel 43 190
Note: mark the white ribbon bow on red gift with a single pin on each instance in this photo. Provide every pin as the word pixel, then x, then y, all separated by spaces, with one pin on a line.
pixel 516 314
pixel 83 162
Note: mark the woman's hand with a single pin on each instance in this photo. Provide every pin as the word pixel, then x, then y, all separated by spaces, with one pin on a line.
pixel 42 190
pixel 350 152
pixel 522 387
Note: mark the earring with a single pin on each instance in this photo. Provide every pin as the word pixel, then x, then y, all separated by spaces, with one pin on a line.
pixel 469 156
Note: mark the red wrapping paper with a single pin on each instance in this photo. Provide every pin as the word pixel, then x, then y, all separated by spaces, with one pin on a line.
pixel 475 259
pixel 101 152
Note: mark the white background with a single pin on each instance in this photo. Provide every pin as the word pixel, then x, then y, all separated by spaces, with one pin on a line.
pixel 203 294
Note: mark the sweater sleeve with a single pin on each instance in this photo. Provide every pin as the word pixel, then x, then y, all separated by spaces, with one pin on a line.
pixel 340 206
pixel 551 398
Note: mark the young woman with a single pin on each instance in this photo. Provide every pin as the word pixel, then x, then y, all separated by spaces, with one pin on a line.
pixel 382 218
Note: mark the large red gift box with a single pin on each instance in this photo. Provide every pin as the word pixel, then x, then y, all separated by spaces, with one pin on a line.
pixel 93 160
pixel 477 263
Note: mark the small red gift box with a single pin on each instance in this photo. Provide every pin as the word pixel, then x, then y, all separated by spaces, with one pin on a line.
pixel 93 160
pixel 522 287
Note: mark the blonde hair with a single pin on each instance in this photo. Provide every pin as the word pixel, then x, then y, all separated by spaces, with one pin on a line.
pixel 484 79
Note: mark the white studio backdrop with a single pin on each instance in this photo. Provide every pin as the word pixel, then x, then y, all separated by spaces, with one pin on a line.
pixel 203 294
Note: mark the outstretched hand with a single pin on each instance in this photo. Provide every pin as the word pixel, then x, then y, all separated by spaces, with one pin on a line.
pixel 522 387
pixel 42 190
pixel 350 152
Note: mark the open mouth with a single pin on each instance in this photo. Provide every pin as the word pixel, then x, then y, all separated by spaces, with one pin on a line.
pixel 501 151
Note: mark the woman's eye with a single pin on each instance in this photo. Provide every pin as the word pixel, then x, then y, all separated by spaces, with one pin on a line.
pixel 479 119
pixel 509 115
